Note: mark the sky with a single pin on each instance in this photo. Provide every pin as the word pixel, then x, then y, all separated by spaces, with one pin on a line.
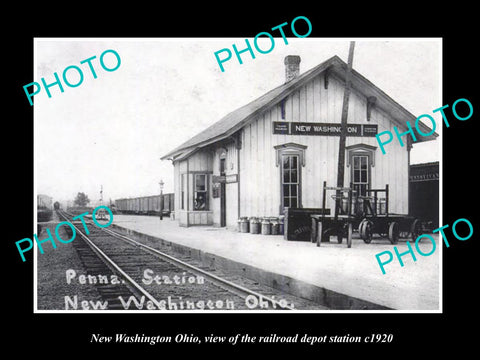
pixel 111 131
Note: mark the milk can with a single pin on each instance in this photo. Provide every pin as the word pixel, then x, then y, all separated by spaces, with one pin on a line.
pixel 265 226
pixel 275 226
pixel 254 225
pixel 382 206
pixel 243 225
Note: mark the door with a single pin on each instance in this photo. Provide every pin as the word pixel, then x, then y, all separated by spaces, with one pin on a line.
pixel 223 200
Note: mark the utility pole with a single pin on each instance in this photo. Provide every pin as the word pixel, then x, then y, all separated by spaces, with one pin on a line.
pixel 161 183
pixel 102 214
pixel 343 133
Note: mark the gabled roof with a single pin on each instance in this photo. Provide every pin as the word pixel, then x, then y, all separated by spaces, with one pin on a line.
pixel 237 119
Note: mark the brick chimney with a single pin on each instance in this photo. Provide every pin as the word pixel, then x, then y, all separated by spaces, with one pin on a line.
pixel 292 67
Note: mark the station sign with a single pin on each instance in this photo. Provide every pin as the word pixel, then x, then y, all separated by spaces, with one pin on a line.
pixel 323 129
pixel 218 179
pixel 227 179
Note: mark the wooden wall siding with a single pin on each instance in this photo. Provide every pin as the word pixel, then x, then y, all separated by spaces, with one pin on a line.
pixel 232 205
pixel 191 218
pixel 200 161
pixel 260 177
pixel 182 166
pixel 181 216
pixel 200 218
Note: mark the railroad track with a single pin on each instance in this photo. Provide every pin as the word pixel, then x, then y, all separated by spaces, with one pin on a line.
pixel 130 275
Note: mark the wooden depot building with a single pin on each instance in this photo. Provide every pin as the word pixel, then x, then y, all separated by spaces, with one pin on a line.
pixel 276 151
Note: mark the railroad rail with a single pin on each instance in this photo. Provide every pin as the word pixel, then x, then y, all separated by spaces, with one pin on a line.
pixel 124 256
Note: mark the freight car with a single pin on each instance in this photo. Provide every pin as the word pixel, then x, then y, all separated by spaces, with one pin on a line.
pixel 168 203
pixel 146 205
pixel 424 194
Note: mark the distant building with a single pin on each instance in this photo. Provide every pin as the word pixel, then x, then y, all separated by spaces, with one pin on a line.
pixel 276 151
pixel 44 202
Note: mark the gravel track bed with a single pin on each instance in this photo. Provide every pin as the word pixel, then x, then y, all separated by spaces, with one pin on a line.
pixel 166 282
pixel 52 266
pixel 297 302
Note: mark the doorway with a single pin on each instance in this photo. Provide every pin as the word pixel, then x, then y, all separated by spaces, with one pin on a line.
pixel 223 198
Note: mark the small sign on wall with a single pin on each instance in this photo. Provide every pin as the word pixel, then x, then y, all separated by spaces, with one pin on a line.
pixel 227 179
pixel 218 179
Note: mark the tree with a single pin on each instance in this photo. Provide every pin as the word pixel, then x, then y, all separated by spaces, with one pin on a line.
pixel 81 199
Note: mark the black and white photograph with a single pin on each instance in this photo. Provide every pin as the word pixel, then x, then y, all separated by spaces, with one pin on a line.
pixel 219 179
pixel 229 183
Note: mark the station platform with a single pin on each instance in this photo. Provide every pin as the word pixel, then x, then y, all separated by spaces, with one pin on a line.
pixel 338 277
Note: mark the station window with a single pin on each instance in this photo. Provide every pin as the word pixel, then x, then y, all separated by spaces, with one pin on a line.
pixel 361 178
pixel 290 181
pixel 200 200
pixel 290 158
pixel 361 159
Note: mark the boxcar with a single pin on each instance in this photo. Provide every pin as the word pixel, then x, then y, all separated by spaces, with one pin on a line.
pixel 146 205
pixel 143 205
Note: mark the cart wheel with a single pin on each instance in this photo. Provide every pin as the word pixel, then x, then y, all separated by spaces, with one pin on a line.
pixel 360 227
pixel 393 232
pixel 416 229
pixel 366 232
pixel 349 235
pixel 319 233
pixel 361 230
